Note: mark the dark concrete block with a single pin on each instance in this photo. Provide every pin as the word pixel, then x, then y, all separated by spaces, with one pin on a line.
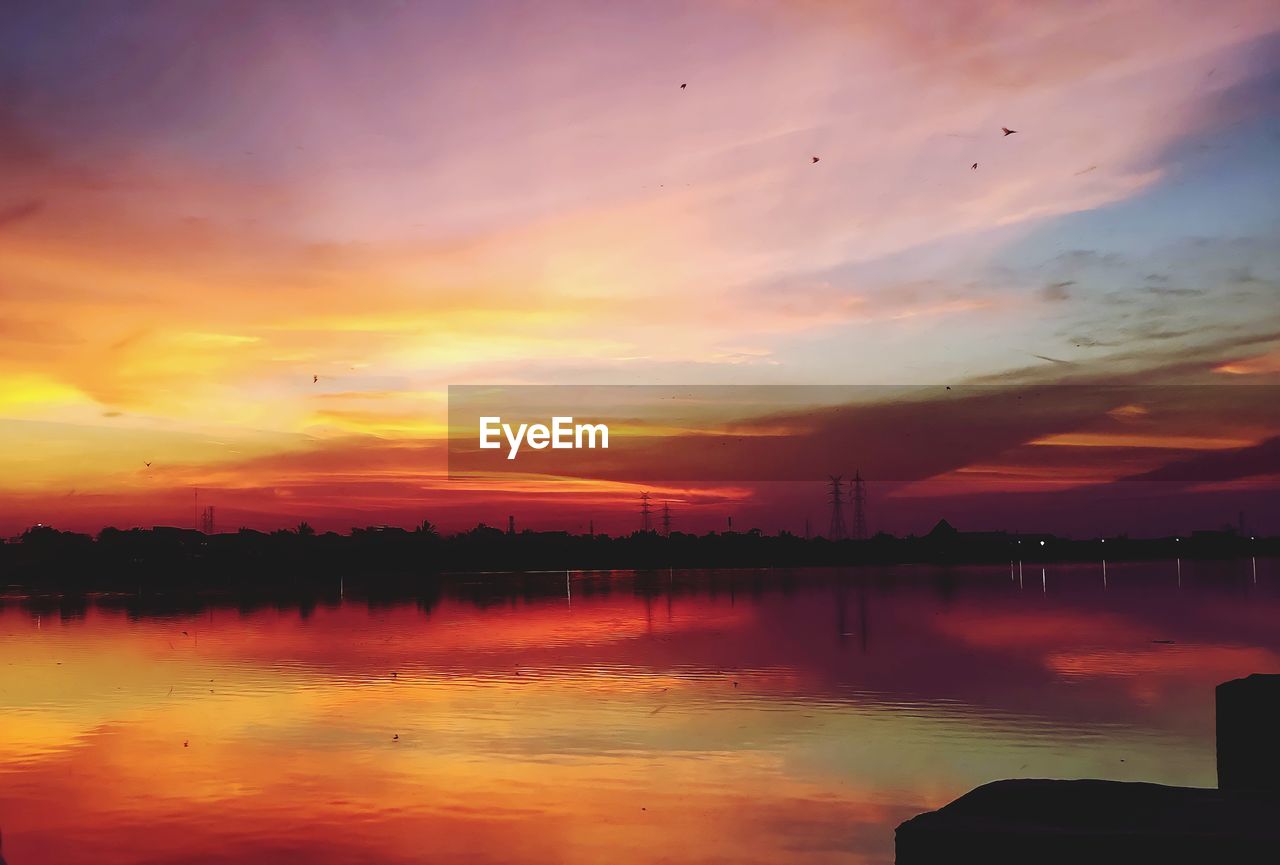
pixel 1095 823
pixel 1249 733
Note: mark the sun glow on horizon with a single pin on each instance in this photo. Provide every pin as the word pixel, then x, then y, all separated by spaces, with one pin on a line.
pixel 279 241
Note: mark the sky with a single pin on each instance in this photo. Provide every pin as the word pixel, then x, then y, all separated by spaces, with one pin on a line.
pixel 246 247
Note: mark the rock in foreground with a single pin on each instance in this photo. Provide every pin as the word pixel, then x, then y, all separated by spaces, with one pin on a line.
pixel 1095 823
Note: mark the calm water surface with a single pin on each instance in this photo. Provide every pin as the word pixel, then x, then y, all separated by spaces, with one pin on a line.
pixel 712 717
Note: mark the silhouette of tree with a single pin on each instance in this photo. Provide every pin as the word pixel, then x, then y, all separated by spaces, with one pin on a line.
pixel 172 559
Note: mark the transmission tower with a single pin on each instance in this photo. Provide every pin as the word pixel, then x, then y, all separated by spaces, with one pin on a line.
pixel 206 520
pixel 858 498
pixel 644 511
pixel 837 531
pixel 666 519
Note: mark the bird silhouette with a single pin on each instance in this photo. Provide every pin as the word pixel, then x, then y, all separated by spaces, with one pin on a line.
pixel 974 166
pixel 1007 131
pixel 314 379
pixel 148 465
pixel 815 159
pixel 683 86
pixel 396 737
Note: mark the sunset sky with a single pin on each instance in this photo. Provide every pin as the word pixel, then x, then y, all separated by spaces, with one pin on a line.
pixel 205 205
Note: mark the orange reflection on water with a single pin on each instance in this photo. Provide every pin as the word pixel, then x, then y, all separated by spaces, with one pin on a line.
pixel 748 718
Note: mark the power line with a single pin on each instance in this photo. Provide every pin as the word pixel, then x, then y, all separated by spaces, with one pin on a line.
pixel 837 531
pixel 858 496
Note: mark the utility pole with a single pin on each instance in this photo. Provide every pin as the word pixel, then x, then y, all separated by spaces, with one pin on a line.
pixel 644 511
pixel 858 496
pixel 837 531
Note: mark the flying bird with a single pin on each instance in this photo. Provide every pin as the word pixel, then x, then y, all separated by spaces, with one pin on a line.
pixel 1053 359
pixel 683 86
pixel 314 379
pixel 815 159
pixel 148 465
pixel 974 166
pixel 1007 131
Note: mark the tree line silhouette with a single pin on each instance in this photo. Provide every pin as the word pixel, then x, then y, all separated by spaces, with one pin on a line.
pixel 165 558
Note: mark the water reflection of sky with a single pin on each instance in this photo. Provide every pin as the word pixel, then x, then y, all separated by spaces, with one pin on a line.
pixel 747 717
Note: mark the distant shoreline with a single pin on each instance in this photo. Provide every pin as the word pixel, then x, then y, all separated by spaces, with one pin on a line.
pixel 163 559
pixel 484 589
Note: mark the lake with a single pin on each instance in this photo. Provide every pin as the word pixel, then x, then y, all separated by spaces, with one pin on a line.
pixel 758 716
